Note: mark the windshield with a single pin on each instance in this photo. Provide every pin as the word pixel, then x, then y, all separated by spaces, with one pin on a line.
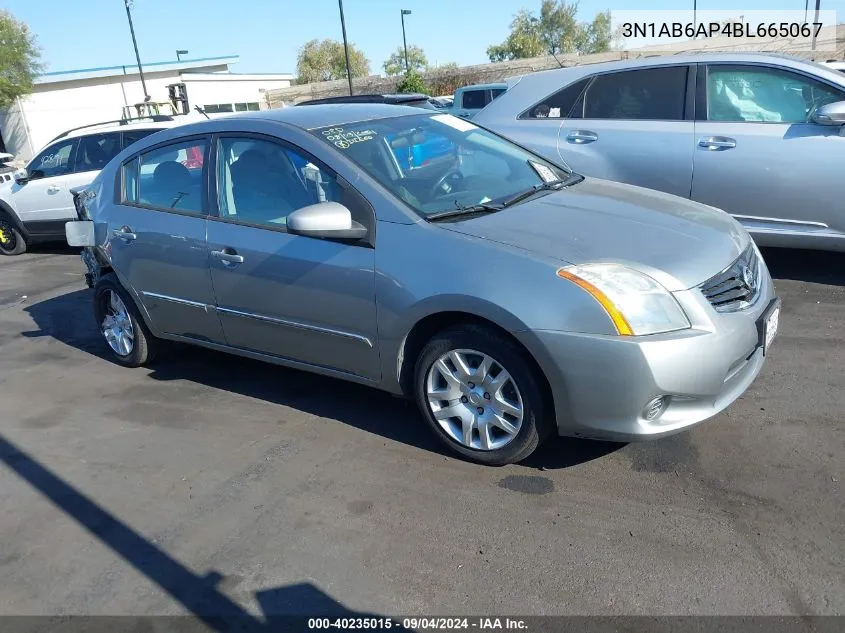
pixel 436 163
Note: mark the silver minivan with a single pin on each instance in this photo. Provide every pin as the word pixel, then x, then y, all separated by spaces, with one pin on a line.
pixel 759 136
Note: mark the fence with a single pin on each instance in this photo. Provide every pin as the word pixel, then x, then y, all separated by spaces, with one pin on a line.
pixel 447 80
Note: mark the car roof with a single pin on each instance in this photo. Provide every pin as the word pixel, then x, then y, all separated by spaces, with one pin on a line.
pixel 116 127
pixel 324 115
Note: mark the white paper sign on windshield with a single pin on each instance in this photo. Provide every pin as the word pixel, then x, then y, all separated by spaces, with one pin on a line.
pixel 546 173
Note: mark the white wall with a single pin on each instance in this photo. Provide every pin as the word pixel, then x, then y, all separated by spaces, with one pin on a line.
pixel 56 107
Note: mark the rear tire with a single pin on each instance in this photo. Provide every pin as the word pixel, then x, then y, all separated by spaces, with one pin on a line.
pixel 12 241
pixel 127 337
pixel 481 395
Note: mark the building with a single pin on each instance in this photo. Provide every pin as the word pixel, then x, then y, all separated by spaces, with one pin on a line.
pixel 71 98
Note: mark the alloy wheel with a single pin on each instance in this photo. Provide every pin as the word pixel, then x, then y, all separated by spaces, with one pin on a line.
pixel 474 399
pixel 8 239
pixel 117 325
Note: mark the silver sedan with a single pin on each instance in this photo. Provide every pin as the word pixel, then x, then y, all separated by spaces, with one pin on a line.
pixel 418 253
pixel 760 136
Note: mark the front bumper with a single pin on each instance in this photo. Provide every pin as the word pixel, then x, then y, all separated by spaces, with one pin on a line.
pixel 602 384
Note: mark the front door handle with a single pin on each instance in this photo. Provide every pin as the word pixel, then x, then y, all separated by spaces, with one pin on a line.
pixel 124 233
pixel 580 137
pixel 229 256
pixel 716 143
pixel 53 189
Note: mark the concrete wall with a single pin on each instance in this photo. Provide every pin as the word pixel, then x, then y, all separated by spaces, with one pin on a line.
pixel 829 38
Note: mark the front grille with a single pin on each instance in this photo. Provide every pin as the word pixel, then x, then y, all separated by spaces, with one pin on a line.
pixel 738 286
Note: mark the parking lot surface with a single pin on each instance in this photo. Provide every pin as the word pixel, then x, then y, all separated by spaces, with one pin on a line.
pixel 213 484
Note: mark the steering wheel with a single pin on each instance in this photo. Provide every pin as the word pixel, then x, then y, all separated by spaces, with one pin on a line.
pixel 450 173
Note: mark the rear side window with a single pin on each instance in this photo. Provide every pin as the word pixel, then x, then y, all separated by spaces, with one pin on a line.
pixel 496 92
pixel 96 150
pixel 131 136
pixel 169 177
pixel 647 94
pixel 475 99
pixel 561 104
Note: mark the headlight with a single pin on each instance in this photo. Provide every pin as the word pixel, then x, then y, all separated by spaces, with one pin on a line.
pixel 635 302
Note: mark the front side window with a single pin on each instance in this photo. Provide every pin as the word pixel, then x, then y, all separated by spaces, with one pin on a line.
pixel 438 162
pixel 764 95
pixel 96 150
pixel 648 94
pixel 475 99
pixel 171 177
pixel 261 182
pixel 53 161
pixel 561 104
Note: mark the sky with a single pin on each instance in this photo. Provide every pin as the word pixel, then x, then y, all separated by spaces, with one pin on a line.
pixel 267 34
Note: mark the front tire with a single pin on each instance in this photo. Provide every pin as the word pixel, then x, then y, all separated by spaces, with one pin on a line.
pixel 130 342
pixel 480 395
pixel 12 241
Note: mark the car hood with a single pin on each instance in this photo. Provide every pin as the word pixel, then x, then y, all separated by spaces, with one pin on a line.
pixel 678 242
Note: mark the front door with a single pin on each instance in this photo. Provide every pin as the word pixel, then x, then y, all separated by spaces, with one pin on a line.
pixel 158 239
pixel 302 299
pixel 634 126
pixel 759 157
pixel 46 195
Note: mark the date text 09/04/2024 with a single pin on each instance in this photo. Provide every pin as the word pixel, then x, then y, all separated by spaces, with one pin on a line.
pixel 419 623
pixel 718 29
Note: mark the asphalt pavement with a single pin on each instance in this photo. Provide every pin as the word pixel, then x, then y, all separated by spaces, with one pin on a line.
pixel 214 484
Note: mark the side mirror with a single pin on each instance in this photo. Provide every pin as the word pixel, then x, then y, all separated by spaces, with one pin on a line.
pixel 325 220
pixel 21 175
pixel 830 114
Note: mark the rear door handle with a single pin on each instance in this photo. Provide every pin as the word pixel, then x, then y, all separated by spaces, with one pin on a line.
pixel 124 233
pixel 53 189
pixel 716 143
pixel 581 137
pixel 228 256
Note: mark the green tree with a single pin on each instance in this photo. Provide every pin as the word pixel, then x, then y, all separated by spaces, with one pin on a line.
pixel 19 57
pixel 395 64
pixel 324 60
pixel 555 30
pixel 412 82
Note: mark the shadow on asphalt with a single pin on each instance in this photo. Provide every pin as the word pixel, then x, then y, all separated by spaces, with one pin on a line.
pixel 821 267
pixel 68 318
pixel 200 595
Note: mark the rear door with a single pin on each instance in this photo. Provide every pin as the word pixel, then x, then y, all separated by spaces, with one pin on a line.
pixel 157 238
pixel 634 126
pixel 758 155
pixel 298 298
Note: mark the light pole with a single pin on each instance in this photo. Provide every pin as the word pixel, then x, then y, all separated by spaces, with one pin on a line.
pixel 179 54
pixel 818 3
pixel 345 46
pixel 405 41
pixel 694 8
pixel 128 3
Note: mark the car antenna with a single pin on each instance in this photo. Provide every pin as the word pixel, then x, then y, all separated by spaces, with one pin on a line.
pixel 201 111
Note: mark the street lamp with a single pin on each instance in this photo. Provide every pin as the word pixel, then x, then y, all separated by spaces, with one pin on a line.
pixel 128 4
pixel 345 46
pixel 179 54
pixel 405 41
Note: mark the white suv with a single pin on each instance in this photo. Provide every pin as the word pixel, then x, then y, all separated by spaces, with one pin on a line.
pixel 35 205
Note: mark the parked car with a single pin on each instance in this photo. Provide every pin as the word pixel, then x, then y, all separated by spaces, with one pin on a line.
pixel 836 65
pixel 37 201
pixel 509 296
pixel 415 100
pixel 443 102
pixel 469 100
pixel 759 136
